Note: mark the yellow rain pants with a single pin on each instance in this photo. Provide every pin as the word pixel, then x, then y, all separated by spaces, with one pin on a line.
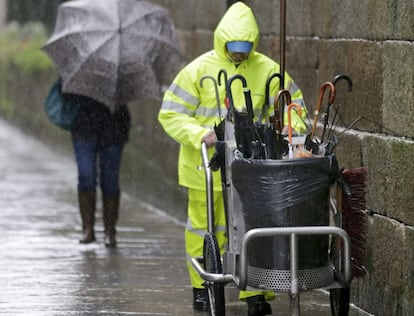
pixel 196 229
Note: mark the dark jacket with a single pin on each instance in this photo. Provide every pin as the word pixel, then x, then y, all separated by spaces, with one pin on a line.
pixel 96 123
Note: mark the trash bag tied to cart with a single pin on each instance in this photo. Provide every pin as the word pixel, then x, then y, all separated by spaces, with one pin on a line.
pixel 286 193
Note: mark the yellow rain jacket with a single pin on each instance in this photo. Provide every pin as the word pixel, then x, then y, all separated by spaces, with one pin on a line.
pixel 189 111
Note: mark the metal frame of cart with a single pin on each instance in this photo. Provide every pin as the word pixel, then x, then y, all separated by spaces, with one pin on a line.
pixel 233 265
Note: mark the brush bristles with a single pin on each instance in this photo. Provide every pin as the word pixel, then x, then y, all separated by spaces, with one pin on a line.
pixel 355 217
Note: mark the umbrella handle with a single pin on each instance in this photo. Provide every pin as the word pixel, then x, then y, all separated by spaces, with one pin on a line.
pixel 249 104
pixel 331 100
pixel 299 110
pixel 228 88
pixel 343 77
pixel 226 98
pixel 216 91
pixel 279 108
pixel 334 82
pixel 267 92
pixel 224 73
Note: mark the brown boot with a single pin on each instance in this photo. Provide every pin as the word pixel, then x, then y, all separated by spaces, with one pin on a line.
pixel 110 217
pixel 87 206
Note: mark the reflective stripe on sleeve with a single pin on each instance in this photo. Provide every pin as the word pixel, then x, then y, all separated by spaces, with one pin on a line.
pixel 206 111
pixel 184 95
pixel 176 107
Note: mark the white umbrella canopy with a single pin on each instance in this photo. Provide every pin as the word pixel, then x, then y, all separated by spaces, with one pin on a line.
pixel 114 51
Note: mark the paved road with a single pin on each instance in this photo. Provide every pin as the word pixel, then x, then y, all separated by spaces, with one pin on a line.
pixel 45 271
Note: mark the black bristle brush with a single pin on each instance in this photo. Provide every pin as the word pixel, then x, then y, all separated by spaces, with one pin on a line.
pixel 355 216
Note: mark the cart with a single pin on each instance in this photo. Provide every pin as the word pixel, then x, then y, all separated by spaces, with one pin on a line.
pixel 283 235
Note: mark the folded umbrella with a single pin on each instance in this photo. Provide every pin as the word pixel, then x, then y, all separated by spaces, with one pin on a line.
pixel 244 131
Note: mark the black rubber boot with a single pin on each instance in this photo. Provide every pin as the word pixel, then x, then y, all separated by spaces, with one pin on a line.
pixel 257 306
pixel 87 207
pixel 200 300
pixel 110 217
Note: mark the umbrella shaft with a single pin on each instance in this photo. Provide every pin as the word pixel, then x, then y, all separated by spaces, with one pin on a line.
pixel 282 42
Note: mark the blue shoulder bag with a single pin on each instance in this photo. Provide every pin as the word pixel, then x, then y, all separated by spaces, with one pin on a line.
pixel 60 110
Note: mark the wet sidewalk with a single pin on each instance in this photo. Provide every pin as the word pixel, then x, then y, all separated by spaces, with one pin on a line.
pixel 44 271
pixel 43 268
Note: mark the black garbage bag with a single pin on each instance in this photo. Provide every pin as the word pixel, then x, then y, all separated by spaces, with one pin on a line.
pixel 286 193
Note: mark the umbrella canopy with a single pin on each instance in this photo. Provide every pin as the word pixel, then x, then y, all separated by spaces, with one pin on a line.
pixel 114 50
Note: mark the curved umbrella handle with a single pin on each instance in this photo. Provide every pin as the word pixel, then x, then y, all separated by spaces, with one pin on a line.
pixel 216 91
pixel 326 119
pixel 331 100
pixel 226 98
pixel 246 93
pixel 279 108
pixel 224 73
pixel 267 92
pixel 299 110
pixel 343 77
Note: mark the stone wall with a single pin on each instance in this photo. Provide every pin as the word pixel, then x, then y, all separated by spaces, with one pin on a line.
pixel 372 42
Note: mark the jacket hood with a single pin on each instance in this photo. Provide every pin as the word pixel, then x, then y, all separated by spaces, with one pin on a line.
pixel 237 24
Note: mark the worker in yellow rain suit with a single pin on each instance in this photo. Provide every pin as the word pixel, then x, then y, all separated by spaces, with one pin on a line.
pixel 188 115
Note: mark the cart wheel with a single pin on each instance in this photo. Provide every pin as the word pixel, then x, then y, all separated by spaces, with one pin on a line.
pixel 212 264
pixel 340 301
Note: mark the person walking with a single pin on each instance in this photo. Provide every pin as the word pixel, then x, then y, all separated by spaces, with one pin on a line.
pixel 98 137
pixel 188 115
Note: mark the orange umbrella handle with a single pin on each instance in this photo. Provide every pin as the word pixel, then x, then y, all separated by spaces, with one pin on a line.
pixel 290 107
pixel 331 100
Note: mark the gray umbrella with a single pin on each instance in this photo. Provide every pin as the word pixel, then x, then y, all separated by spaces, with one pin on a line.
pixel 114 51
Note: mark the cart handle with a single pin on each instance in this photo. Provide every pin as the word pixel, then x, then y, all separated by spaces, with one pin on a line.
pixel 209 188
pixel 208 276
pixel 293 232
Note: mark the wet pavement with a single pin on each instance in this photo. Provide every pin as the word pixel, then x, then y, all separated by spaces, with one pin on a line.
pixel 45 271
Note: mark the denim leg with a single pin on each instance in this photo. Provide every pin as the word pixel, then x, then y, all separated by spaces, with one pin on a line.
pixel 110 163
pixel 85 154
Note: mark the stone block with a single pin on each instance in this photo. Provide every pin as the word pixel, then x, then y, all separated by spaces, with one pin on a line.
pixel 349 19
pixel 390 181
pixel 267 16
pixel 193 15
pixel 321 17
pixel 178 12
pixel 359 60
pixel 385 290
pixel 208 13
pixel 301 62
pixel 298 22
pixel 194 43
pixel 348 150
pixel 398 102
pixel 300 59
pixel 399 20
pixel 379 19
